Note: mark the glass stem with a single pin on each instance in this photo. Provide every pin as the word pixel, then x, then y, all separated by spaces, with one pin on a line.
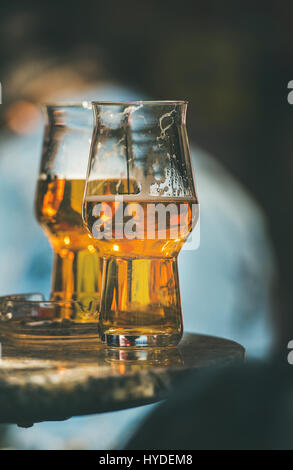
pixel 77 275
pixel 140 302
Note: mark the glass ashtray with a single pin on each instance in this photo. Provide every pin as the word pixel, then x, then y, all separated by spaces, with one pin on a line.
pixel 31 317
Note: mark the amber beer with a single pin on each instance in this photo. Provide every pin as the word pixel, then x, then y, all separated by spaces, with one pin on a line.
pixel 141 290
pixel 77 264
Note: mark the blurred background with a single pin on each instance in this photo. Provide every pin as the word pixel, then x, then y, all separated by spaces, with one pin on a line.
pixel 232 61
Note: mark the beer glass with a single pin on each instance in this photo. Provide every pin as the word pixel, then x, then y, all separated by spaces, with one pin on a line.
pixel 77 266
pixel 140 205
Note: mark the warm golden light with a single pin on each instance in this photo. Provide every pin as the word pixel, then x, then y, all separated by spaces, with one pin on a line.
pixel 67 241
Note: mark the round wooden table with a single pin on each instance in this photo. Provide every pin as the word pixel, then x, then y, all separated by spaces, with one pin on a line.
pixel 55 382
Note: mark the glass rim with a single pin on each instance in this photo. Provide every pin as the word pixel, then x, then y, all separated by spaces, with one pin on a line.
pixel 138 102
pixel 87 104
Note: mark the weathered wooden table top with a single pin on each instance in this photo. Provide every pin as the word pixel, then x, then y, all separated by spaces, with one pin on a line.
pixel 54 382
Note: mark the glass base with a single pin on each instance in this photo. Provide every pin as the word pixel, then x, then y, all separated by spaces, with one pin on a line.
pixel 141 341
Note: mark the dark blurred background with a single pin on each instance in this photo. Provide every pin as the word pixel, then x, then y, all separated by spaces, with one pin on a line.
pixel 232 60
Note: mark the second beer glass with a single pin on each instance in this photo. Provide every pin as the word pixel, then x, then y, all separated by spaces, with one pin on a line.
pixel 77 265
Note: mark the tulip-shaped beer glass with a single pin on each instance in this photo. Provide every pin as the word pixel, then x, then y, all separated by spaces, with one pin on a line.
pixel 76 271
pixel 140 205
